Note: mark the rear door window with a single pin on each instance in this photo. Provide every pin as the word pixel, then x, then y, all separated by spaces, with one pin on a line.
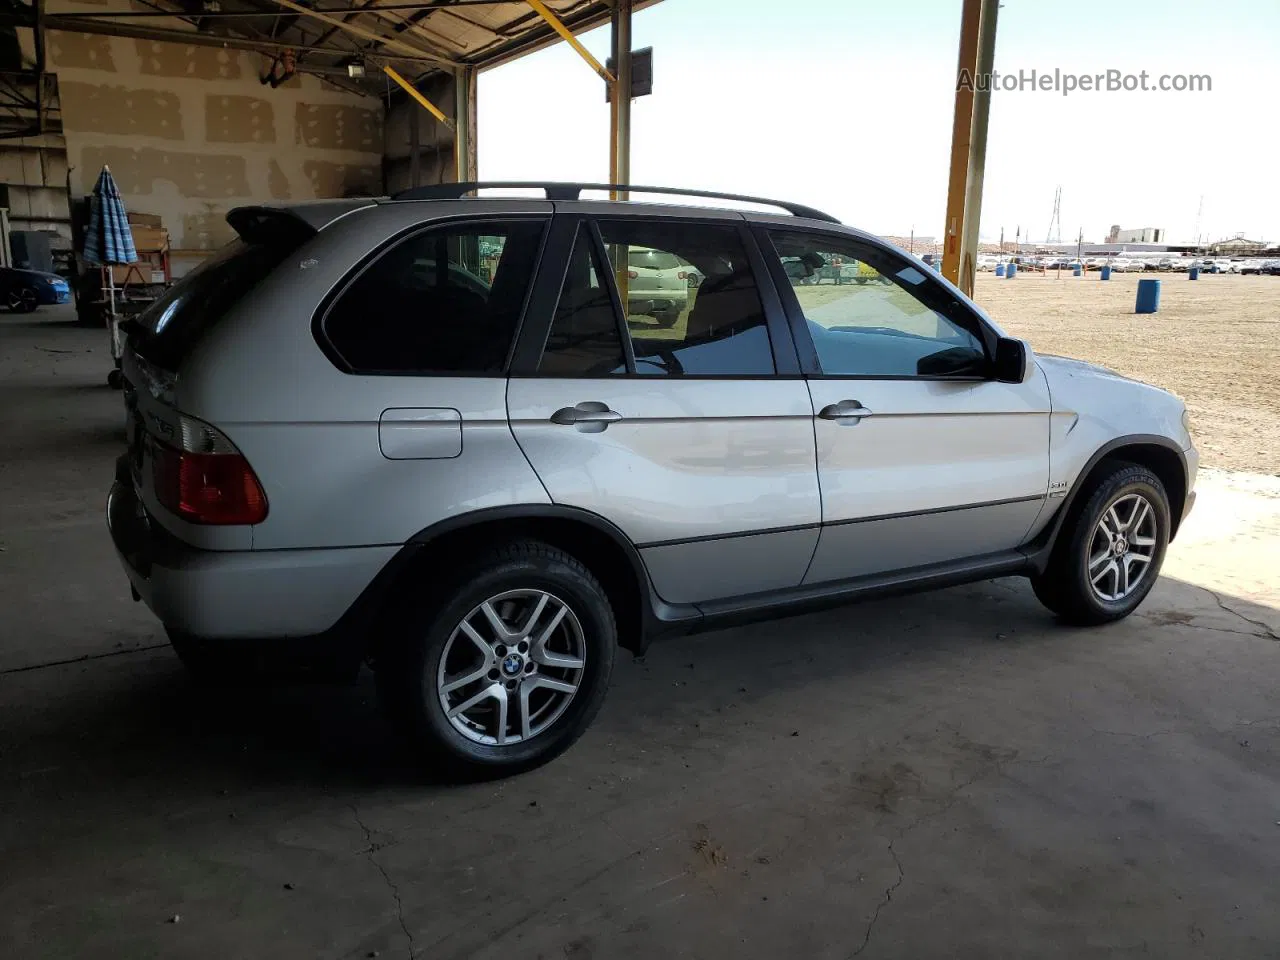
pixel 692 304
pixel 446 300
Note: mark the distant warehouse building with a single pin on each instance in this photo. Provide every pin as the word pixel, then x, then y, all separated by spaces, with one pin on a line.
pixel 1141 235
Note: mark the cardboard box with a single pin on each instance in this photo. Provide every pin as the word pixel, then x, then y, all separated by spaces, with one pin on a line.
pixel 145 219
pixel 149 239
pixel 148 269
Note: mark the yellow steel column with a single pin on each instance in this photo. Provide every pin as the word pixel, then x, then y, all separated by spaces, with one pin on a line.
pixel 622 92
pixel 978 147
pixel 968 141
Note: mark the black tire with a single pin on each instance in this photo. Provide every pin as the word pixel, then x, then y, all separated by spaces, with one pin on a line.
pixel 1065 586
pixel 22 300
pixel 408 670
pixel 667 319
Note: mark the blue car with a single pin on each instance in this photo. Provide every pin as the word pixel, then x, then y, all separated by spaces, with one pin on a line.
pixel 24 290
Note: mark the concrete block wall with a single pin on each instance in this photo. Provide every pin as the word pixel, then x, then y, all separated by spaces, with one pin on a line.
pixel 189 131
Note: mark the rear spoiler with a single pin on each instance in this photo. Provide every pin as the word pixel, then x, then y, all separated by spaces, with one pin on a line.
pixel 270 225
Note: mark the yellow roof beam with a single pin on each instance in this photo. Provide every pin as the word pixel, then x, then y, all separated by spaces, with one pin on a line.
pixel 558 26
pixel 413 91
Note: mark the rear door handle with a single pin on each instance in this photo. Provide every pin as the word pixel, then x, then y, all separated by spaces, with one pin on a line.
pixel 844 410
pixel 590 416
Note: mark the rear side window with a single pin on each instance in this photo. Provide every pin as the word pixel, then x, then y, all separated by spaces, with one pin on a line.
pixel 690 296
pixel 170 327
pixel 446 300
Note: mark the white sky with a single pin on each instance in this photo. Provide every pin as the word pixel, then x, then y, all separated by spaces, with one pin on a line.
pixel 847 105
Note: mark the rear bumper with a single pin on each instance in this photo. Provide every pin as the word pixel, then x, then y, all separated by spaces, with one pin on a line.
pixel 265 594
pixel 671 298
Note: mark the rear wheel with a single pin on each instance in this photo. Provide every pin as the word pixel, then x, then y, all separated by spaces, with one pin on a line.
pixel 506 667
pixel 667 318
pixel 1108 556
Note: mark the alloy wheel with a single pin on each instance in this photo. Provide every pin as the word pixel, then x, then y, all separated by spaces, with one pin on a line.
pixel 511 667
pixel 1122 547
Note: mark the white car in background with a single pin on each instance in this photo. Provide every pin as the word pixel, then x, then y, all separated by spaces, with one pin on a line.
pixel 657 285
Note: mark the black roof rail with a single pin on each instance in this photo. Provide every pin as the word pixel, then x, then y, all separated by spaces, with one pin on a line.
pixel 570 191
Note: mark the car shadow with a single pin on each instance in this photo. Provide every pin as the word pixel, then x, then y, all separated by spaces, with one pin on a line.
pixel 145 712
pixel 138 723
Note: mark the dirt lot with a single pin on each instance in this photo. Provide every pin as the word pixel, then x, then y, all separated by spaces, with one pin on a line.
pixel 1215 343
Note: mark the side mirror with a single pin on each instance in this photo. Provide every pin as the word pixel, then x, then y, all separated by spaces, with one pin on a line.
pixel 1010 364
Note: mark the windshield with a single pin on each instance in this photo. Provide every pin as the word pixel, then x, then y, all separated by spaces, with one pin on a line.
pixel 653 260
pixel 170 327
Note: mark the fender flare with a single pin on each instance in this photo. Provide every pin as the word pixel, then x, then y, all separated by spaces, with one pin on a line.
pixel 1041 548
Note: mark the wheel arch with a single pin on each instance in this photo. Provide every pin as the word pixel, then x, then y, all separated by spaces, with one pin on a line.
pixel 1158 454
pixel 603 548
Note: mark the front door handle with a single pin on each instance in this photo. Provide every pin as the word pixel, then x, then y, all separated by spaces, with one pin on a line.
pixel 589 417
pixel 845 410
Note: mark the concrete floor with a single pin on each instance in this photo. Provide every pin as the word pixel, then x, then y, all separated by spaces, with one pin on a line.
pixel 948 775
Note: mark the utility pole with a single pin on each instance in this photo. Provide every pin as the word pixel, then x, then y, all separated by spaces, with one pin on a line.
pixel 1055 220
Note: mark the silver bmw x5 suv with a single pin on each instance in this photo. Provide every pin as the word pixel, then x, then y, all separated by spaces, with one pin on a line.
pixel 423 433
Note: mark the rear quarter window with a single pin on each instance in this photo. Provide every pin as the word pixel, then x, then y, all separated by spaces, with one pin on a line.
pixel 168 330
pixel 447 300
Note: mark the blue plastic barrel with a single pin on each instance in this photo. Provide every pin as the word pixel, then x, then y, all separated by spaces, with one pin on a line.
pixel 1075 270
pixel 1148 296
pixel 999 269
pixel 1193 273
pixel 1104 273
pixel 1011 271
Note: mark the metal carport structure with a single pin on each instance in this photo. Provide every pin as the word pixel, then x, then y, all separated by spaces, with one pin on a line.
pixel 431 49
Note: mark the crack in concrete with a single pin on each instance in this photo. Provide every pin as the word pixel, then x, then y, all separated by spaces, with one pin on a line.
pixel 368 854
pixel 947 803
pixel 886 900
pixel 87 657
pixel 1247 619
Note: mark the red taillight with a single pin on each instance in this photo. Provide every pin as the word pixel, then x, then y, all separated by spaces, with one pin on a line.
pixel 632 275
pixel 209 488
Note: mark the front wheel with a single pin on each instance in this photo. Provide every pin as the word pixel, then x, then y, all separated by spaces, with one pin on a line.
pixel 507 667
pixel 22 300
pixel 1109 554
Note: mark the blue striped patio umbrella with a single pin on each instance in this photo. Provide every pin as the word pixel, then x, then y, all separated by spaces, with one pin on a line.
pixel 107 239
